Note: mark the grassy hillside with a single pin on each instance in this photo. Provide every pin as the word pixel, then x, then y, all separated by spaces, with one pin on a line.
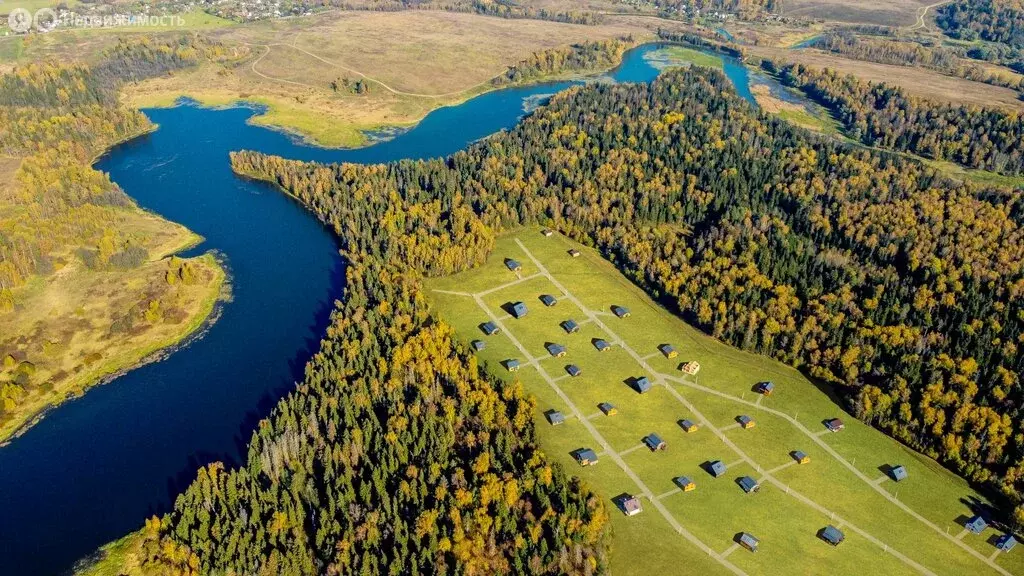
pixel 914 526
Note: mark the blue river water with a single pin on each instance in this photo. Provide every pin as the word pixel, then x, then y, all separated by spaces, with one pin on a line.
pixel 94 468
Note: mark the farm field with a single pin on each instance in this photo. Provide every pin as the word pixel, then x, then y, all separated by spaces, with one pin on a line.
pixel 914 526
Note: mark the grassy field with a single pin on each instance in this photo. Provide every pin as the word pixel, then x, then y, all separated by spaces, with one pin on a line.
pixel 681 56
pixel 880 12
pixel 413 61
pixel 799 114
pixel 911 527
pixel 916 81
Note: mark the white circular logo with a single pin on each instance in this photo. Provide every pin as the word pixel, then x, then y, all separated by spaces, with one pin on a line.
pixel 20 20
pixel 45 20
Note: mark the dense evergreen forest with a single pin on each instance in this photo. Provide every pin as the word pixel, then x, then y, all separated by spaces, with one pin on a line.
pixel 993 20
pixel 886 116
pixel 869 271
pixel 582 57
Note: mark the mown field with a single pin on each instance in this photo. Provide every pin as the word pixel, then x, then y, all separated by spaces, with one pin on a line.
pixel 914 526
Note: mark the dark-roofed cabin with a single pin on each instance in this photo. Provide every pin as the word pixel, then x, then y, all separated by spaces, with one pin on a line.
pixel 556 350
pixel 976 525
pixel 898 473
pixel 519 309
pixel 685 483
pixel 766 388
pixel 654 442
pixel 608 408
pixel 834 425
pixel 748 484
pixel 832 535
pixel 746 422
pixel 548 300
pixel 574 253
pixel 547 232
pixel 748 541
pixel 717 468
pixel 1006 542
pixel 631 506
pixel 800 457
pixel 570 326
pixel 554 417
pixel 601 345
pixel 513 265
pixel 478 345
pixel 620 311
pixel 688 425
pixel 585 456
pixel 489 328
pixel 512 365
pixel 642 384
pixel 668 351
pixel 573 370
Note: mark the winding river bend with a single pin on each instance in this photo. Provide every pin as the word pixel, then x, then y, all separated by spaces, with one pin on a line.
pixel 95 467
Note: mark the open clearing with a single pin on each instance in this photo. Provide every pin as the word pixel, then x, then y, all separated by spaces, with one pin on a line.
pixel 908 527
pixel 879 12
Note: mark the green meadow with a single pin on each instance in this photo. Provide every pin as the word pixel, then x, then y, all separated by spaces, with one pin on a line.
pixel 911 527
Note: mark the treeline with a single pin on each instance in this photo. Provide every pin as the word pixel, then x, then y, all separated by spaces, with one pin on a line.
pixel 395 454
pixel 868 270
pixel 887 51
pixel 701 41
pixel 885 116
pixel 583 57
pixel 992 20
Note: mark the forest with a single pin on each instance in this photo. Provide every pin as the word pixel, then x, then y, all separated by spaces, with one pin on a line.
pixel 887 117
pixel 582 57
pixel 992 20
pixel 868 271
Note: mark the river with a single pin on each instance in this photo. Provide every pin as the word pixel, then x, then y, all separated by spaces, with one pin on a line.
pixel 95 467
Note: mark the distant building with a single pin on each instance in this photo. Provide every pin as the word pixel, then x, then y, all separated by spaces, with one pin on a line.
pixel 620 311
pixel 691 368
pixel 717 468
pixel 688 425
pixel 512 365
pixel 630 505
pixel 570 326
pixel 654 442
pixel 748 541
pixel 574 253
pixel 513 265
pixel 1006 542
pixel 976 524
pixel 668 351
pixel 554 417
pixel 800 457
pixel 519 309
pixel 601 345
pixel 547 232
pixel 573 370
pixel 834 425
pixel 489 328
pixel 766 388
pixel 746 422
pixel 898 473
pixel 556 350
pixel 608 408
pixel 478 345
pixel 685 483
pixel 585 457
pixel 548 300
pixel 642 384
pixel 832 535
pixel 748 484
